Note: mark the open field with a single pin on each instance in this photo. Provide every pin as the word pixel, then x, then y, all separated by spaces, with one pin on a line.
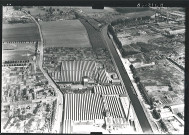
pixel 20 32
pixel 18 46
pixel 12 55
pixel 67 33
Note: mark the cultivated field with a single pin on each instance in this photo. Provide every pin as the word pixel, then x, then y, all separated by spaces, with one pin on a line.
pixel 20 32
pixel 67 33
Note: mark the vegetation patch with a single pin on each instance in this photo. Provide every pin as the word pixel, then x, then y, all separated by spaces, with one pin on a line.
pixel 131 9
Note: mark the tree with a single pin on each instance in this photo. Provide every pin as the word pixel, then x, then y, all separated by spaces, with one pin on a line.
pixel 163 126
pixel 48 108
pixel 131 66
pixel 61 12
pixel 50 10
pixel 137 79
pixel 28 116
pixel 156 115
pixel 180 115
pixel 17 125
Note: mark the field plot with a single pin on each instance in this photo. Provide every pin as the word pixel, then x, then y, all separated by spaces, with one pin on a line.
pixel 12 55
pixel 20 32
pixel 68 33
pixel 18 46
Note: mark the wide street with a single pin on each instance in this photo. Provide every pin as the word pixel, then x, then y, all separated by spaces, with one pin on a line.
pixel 127 82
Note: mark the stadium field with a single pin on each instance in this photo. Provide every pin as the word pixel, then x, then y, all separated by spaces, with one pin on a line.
pixel 20 32
pixel 67 33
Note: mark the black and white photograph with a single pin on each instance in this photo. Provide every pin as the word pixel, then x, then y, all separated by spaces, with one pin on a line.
pixel 79 70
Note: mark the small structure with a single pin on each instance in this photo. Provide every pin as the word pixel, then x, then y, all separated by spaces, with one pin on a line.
pixel 85 80
pixel 116 82
pixel 176 32
pixel 109 121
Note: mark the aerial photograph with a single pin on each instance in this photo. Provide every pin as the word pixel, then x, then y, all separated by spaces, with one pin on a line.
pixel 78 70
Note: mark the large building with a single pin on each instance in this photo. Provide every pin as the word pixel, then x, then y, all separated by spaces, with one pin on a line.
pixel 94 110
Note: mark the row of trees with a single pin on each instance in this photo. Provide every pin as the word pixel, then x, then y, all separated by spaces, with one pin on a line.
pixel 181 67
pixel 17 7
pixel 111 30
pixel 131 9
pixel 163 126
pixel 18 61
pixel 130 20
pixel 149 100
pixel 140 86
pixel 24 64
pixel 53 113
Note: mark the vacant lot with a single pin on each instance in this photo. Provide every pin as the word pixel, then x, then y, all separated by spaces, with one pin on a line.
pixel 163 73
pixel 20 32
pixel 35 10
pixel 67 33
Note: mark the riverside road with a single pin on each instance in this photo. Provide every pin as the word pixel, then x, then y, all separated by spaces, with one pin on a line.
pixel 127 82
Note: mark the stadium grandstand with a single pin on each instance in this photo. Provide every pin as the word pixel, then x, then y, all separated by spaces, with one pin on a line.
pixel 83 107
pixel 74 71
pixel 113 106
pixel 110 90
pixel 101 77
pixel 67 127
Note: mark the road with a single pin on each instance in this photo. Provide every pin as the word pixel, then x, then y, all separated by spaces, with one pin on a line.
pixel 59 109
pixel 127 82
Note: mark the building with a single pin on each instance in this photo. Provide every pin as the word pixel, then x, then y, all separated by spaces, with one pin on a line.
pixel 116 82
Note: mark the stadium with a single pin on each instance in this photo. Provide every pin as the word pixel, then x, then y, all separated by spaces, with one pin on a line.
pixel 76 71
